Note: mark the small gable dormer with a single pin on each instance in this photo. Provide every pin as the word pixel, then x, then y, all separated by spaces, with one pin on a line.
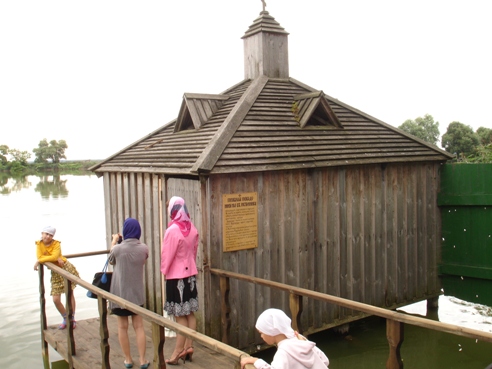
pixel 313 109
pixel 196 110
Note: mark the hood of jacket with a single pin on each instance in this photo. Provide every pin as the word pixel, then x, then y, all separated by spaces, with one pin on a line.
pixel 302 351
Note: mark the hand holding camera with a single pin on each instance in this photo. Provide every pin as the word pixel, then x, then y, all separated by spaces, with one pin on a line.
pixel 117 238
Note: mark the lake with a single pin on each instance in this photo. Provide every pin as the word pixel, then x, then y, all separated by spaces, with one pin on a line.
pixel 74 204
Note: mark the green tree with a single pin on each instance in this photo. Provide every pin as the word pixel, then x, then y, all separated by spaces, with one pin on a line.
pixel 4 151
pixel 485 135
pixel 20 157
pixel 460 140
pixel 42 152
pixel 482 155
pixel 53 151
pixel 424 128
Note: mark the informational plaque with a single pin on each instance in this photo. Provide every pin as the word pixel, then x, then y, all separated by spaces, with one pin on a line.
pixel 240 221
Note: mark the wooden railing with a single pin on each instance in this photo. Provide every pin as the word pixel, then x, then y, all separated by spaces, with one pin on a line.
pixel 158 322
pixel 394 320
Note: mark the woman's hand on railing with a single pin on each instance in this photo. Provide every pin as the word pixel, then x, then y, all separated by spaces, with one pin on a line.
pixel 248 362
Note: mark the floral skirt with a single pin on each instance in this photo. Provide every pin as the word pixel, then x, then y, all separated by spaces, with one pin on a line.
pixel 57 283
pixel 181 296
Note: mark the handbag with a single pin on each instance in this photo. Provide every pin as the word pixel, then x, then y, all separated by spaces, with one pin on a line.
pixel 101 280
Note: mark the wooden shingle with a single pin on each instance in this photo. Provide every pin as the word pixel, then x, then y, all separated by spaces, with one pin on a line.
pixel 255 130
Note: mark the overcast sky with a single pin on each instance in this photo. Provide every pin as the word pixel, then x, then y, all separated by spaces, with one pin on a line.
pixel 103 74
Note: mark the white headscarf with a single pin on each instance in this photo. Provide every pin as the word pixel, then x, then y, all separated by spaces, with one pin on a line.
pixel 273 322
pixel 49 229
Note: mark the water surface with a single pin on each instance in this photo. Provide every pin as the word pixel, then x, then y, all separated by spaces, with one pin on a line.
pixel 75 206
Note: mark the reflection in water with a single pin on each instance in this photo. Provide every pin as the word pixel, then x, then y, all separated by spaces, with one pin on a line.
pixel 52 186
pixel 49 186
pixel 9 183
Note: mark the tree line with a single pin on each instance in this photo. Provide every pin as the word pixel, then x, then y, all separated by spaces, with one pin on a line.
pixel 14 160
pixel 460 139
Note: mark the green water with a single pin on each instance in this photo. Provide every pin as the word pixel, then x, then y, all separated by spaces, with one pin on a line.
pixel 365 345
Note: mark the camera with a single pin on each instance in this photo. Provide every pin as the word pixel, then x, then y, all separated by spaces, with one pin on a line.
pixel 120 239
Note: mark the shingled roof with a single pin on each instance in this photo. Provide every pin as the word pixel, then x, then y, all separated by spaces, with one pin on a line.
pixel 267 123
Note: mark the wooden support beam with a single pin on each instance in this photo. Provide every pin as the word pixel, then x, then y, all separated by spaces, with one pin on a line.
pixel 69 320
pixel 225 309
pixel 295 304
pixel 44 324
pixel 102 306
pixel 433 303
pixel 394 333
pixel 158 340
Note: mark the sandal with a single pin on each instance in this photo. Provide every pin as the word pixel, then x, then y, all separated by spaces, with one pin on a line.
pixel 145 366
pixel 63 324
pixel 182 355
pixel 189 353
pixel 128 365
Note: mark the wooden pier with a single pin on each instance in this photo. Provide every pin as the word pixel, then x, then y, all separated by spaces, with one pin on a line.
pixel 88 350
pixel 94 342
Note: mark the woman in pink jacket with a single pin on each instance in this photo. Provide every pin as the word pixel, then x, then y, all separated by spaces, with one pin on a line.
pixel 178 264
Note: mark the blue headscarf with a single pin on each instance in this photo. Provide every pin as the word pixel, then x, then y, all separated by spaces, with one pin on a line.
pixel 131 229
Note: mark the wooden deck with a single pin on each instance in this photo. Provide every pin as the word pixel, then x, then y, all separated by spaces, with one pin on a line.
pixel 88 353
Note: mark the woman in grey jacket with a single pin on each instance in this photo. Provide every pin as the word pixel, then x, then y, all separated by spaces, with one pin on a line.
pixel 128 259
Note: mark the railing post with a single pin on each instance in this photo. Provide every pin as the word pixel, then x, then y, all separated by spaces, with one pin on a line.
pixel 158 339
pixel 394 334
pixel 102 305
pixel 295 304
pixel 225 309
pixel 44 324
pixel 69 320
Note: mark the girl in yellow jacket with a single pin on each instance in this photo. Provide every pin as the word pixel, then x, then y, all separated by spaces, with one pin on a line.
pixel 49 250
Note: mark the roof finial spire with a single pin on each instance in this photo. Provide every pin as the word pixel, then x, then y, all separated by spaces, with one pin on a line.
pixel 264 4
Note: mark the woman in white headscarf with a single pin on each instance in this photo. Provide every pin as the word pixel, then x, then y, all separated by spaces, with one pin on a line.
pixel 294 351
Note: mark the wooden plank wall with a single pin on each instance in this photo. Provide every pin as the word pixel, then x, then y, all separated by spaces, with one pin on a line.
pixel 368 233
pixel 138 195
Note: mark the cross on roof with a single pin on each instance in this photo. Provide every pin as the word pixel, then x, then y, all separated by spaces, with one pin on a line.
pixel 264 4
